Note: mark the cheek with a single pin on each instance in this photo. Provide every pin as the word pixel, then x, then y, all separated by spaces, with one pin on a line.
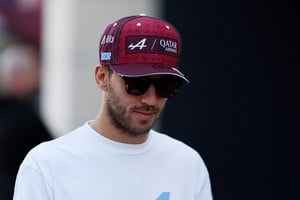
pixel 117 86
pixel 117 89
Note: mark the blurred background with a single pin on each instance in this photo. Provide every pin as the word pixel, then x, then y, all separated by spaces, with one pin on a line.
pixel 241 109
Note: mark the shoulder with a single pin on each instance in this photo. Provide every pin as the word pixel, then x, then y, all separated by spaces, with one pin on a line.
pixel 175 147
pixel 180 154
pixel 171 142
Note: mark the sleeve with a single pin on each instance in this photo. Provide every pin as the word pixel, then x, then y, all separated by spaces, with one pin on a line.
pixel 205 193
pixel 31 185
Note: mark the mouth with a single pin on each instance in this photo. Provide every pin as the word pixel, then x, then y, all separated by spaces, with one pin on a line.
pixel 145 115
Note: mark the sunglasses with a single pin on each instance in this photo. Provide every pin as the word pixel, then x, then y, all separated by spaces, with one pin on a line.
pixel 165 87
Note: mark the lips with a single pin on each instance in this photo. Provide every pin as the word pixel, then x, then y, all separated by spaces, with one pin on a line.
pixel 145 115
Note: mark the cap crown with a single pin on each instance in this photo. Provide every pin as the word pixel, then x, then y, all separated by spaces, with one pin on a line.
pixel 140 39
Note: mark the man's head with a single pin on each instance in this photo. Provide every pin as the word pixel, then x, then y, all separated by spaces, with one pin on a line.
pixel 138 71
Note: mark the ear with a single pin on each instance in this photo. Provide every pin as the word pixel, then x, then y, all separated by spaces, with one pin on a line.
pixel 101 77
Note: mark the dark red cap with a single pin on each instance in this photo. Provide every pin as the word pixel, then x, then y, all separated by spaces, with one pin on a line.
pixel 140 45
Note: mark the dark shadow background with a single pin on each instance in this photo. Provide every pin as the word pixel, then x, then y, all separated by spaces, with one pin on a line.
pixel 241 109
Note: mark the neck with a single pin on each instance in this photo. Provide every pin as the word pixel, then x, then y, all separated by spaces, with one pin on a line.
pixel 103 126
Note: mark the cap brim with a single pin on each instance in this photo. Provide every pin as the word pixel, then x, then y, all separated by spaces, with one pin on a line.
pixel 142 69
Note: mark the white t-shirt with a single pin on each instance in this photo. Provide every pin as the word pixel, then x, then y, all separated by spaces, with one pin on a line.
pixel 83 165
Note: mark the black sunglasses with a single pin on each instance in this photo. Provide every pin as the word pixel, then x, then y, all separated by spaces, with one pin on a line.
pixel 165 86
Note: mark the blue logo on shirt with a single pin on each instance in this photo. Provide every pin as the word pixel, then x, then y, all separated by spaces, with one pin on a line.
pixel 164 196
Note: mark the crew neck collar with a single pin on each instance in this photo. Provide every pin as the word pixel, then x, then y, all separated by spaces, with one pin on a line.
pixel 118 146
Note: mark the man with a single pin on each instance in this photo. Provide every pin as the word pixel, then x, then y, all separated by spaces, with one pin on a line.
pixel 117 155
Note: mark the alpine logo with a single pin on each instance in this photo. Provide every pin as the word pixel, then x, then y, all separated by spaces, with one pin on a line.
pixel 140 45
pixel 151 44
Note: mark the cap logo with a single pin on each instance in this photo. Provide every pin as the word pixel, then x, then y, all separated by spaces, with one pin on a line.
pixel 140 45
pixel 105 56
pixel 107 39
pixel 151 44
pixel 169 45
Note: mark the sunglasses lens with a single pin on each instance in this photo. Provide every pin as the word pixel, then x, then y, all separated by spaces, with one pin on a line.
pixel 136 86
pixel 167 87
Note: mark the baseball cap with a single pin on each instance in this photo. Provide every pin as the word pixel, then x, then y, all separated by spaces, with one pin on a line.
pixel 140 45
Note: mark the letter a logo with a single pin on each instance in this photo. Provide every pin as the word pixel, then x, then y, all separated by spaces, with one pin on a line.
pixel 164 196
pixel 140 45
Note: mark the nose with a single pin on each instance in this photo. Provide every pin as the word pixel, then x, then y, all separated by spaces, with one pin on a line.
pixel 150 96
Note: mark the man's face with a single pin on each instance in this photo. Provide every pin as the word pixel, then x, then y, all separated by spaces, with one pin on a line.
pixel 133 115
